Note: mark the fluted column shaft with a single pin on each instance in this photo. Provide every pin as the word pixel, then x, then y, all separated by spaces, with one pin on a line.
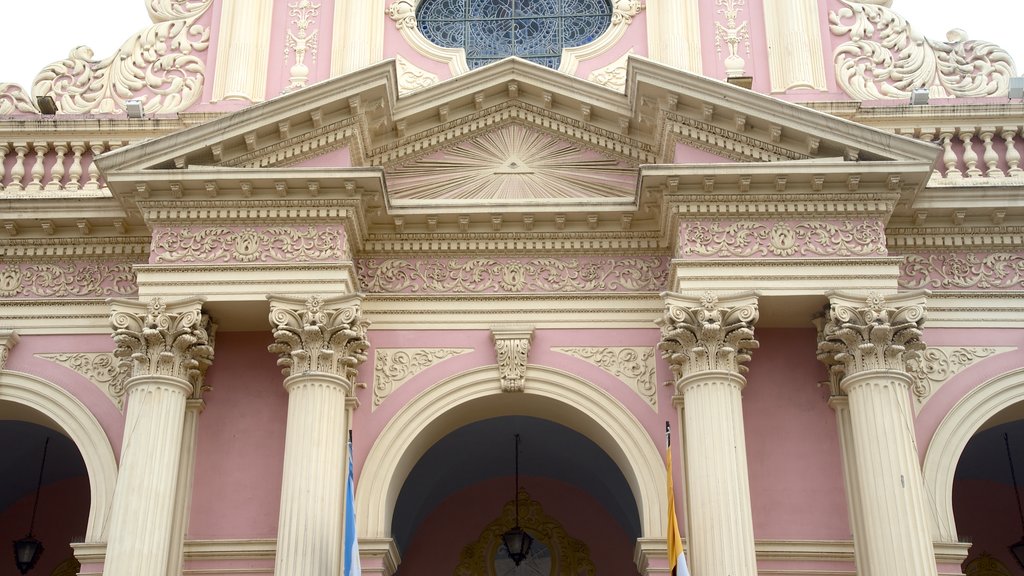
pixel 867 342
pixel 168 348
pixel 706 341
pixel 841 405
pixel 320 343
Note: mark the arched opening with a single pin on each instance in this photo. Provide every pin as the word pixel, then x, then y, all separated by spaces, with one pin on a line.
pixel 574 501
pixel 581 416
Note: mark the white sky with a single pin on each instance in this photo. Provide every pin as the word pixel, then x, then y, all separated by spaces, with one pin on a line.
pixel 38 32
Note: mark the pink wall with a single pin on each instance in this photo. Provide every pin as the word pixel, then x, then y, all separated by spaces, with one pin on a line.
pixel 986 515
pixel 240 451
pixel 61 519
pixel 459 520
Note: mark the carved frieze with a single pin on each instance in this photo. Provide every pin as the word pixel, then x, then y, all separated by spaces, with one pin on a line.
pixel 875 332
pixel 963 271
pixel 512 346
pixel 67 279
pixel 103 369
pixel 247 244
pixel 882 57
pixel 319 335
pixel 783 239
pixel 172 339
pixel 708 333
pixel 513 275
pixel 633 365
pixel 935 365
pixel 393 367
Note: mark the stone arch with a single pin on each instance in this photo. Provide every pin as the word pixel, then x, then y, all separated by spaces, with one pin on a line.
pixel 81 426
pixel 951 437
pixel 475 395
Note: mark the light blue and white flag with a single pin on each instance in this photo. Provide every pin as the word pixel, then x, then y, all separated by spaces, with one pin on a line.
pixel 352 567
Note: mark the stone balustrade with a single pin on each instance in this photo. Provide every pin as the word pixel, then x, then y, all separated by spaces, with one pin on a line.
pixel 976 155
pixel 51 166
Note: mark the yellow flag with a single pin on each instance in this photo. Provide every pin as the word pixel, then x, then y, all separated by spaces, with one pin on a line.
pixel 676 559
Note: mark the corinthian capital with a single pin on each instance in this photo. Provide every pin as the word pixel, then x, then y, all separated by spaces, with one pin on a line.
pixel 319 335
pixel 163 338
pixel 708 333
pixel 873 332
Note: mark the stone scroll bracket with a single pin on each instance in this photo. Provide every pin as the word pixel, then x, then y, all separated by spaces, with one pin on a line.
pixel 512 345
pixel 8 340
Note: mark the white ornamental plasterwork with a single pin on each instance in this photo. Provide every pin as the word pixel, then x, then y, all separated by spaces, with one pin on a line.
pixel 512 348
pixel 173 339
pixel 934 366
pixel 945 271
pixel 810 239
pixel 77 279
pixel 102 369
pixel 705 333
pixel 396 366
pixel 247 245
pixel 8 340
pixel 512 162
pixel 632 365
pixel 161 65
pixel 612 76
pixel 485 275
pixel 318 334
pixel 300 40
pixel 884 58
pixel 412 78
pixel 733 34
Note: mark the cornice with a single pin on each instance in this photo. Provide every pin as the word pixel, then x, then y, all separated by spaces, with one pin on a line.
pixel 37 248
pixel 539 243
pixel 902 237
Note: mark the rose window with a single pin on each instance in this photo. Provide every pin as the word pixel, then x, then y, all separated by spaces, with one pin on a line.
pixel 536 30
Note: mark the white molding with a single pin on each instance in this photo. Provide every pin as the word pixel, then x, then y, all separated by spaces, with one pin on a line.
pixel 85 431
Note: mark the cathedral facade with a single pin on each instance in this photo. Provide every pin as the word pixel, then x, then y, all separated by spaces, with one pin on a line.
pixel 491 255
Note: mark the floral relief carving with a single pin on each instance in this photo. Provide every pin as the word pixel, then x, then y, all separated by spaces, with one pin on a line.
pixel 245 245
pixel 103 369
pixel 302 42
pixel 733 33
pixel 885 58
pixel 700 334
pixel 168 339
pixel 411 77
pixel 963 271
pixel 513 275
pixel 13 98
pixel 935 365
pixel 160 65
pixel 67 279
pixel 8 340
pixel 395 366
pixel 633 365
pixel 803 239
pixel 319 335
pixel 612 76
pixel 512 347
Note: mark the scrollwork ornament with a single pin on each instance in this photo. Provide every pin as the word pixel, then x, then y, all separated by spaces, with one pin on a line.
pixel 167 339
pixel 403 13
pixel 319 335
pixel 13 98
pixel 885 58
pixel 104 370
pixel 872 333
pixel 512 348
pixel 625 10
pixel 963 271
pixel 783 239
pixel 246 245
pixel 706 333
pixel 633 365
pixel 394 367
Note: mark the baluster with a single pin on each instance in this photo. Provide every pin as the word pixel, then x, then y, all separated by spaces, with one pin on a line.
pixel 94 171
pixel 929 137
pixel 5 149
pixel 949 157
pixel 1012 155
pixel 57 172
pixel 991 158
pixel 970 156
pixel 75 173
pixel 18 170
pixel 38 168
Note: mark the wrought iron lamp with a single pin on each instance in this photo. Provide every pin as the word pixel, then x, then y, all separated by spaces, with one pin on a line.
pixel 1016 549
pixel 516 540
pixel 27 550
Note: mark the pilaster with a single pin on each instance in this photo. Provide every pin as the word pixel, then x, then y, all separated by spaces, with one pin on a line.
pixel 707 341
pixel 168 347
pixel 243 52
pixel 866 342
pixel 666 42
pixel 320 343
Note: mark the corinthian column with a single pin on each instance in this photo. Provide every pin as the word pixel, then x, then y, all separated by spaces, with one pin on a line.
pixel 168 348
pixel 320 343
pixel 706 341
pixel 867 341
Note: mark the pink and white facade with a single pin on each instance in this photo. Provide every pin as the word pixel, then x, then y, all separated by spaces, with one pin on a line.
pixel 325 223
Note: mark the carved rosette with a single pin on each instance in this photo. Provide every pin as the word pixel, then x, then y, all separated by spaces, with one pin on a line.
pixel 325 335
pixel 875 332
pixel 708 333
pixel 163 339
pixel 512 345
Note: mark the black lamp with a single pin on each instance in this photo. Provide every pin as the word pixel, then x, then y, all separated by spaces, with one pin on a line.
pixel 516 540
pixel 1016 549
pixel 27 550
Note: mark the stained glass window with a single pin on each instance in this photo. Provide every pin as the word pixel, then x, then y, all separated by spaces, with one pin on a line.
pixel 490 30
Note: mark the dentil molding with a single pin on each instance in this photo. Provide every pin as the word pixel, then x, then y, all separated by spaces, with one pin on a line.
pixel 634 366
pixel 393 367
